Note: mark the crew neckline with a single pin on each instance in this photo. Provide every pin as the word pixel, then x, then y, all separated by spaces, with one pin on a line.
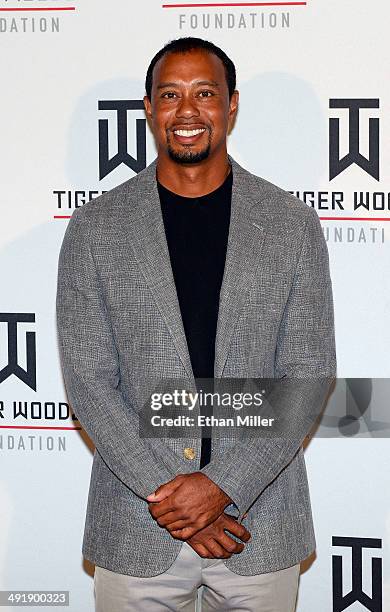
pixel 206 196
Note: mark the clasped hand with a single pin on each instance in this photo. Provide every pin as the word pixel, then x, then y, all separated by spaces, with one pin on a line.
pixel 191 507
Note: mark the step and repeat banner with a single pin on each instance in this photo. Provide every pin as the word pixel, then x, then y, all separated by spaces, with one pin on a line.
pixel 314 118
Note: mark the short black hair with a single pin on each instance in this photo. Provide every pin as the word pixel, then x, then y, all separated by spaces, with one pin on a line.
pixel 189 43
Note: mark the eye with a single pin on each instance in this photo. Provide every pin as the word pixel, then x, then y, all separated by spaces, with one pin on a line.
pixel 207 92
pixel 168 94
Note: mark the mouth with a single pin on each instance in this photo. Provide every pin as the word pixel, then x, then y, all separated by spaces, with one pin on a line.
pixel 188 136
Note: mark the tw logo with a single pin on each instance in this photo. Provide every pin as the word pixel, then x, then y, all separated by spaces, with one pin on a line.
pixel 372 602
pixel 370 164
pixel 106 163
pixel 28 376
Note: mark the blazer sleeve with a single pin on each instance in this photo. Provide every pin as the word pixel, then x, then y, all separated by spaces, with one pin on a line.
pixel 305 365
pixel 91 371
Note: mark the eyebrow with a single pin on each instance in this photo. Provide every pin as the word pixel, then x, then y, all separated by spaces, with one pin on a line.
pixel 210 83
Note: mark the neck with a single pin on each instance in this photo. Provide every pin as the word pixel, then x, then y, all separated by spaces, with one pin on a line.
pixel 192 180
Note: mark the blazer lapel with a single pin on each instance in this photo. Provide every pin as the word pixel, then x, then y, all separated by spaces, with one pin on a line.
pixel 147 236
pixel 145 229
pixel 246 237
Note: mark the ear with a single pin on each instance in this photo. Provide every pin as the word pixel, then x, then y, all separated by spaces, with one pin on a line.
pixel 233 108
pixel 148 107
pixel 233 104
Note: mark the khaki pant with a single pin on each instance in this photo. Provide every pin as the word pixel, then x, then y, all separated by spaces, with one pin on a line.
pixel 177 588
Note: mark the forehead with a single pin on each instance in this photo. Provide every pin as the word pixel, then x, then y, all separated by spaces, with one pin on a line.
pixel 194 65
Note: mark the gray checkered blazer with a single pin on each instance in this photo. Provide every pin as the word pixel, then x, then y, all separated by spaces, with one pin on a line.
pixel 120 327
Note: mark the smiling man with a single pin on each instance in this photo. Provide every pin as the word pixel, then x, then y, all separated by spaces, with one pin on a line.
pixel 195 269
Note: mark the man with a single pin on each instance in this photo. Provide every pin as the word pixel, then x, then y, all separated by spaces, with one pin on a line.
pixel 195 268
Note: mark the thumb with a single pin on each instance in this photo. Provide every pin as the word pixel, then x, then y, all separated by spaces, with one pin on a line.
pixel 163 491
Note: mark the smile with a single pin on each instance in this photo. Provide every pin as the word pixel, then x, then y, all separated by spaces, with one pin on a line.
pixel 189 133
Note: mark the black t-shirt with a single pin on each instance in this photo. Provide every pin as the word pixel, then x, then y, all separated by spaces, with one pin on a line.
pixel 197 233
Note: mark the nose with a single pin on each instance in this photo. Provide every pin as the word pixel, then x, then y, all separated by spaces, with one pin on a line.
pixel 187 107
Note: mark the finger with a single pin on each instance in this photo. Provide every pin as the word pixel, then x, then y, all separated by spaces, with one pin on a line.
pixel 242 534
pixel 164 490
pixel 236 529
pixel 172 521
pixel 159 494
pixel 184 534
pixel 201 550
pixel 178 534
pixel 181 523
pixel 228 544
pixel 160 508
pixel 173 525
pixel 218 551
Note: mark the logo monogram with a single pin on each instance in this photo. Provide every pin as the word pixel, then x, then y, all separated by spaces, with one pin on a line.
pixel 340 601
pixel 337 165
pixel 27 376
pixel 107 164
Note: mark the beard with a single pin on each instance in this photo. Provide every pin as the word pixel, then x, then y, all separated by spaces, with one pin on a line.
pixel 186 155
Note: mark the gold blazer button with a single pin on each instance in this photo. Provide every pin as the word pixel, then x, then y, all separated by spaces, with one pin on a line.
pixel 189 453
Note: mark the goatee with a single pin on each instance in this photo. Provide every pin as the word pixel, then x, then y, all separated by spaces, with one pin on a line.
pixel 187 156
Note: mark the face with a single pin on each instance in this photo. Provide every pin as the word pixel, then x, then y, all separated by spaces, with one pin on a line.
pixel 190 111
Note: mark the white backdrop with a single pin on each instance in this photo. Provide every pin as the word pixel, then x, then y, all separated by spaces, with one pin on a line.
pixel 59 60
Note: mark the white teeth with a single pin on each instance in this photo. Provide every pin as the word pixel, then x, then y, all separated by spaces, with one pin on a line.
pixel 189 133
